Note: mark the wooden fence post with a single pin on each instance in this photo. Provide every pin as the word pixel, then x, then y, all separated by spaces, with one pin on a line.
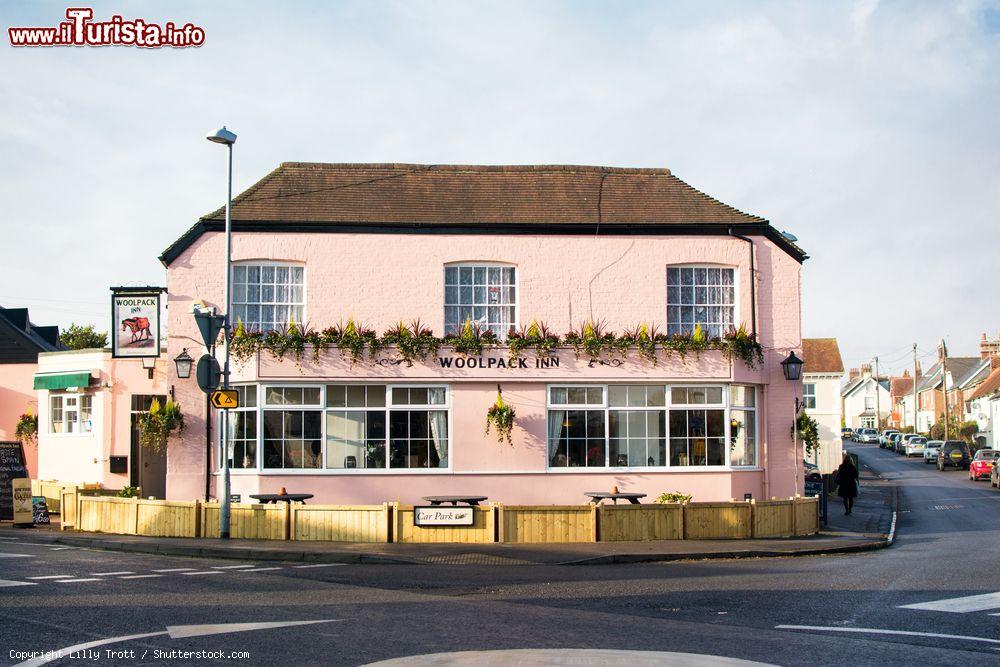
pixel 197 518
pixel 795 531
pixel 500 523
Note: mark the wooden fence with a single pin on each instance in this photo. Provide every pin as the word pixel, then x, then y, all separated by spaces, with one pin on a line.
pixel 548 523
pixel 393 522
pixel 483 528
pixel 619 523
pixel 340 523
pixel 248 520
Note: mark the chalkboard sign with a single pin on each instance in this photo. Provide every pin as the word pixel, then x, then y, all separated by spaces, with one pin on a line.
pixel 11 467
pixel 39 510
pixel 820 487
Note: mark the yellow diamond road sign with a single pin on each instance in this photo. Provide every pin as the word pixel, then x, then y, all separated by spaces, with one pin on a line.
pixel 225 399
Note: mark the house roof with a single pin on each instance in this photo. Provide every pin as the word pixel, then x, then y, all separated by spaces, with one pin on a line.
pixel 900 386
pixel 989 385
pixel 553 199
pixel 958 367
pixel 821 355
pixel 21 340
pixel 975 375
pixel 857 383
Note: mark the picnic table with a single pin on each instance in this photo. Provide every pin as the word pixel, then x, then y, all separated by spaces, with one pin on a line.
pixel 454 500
pixel 597 496
pixel 282 497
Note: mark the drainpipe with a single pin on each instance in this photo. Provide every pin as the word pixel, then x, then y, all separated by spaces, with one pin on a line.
pixel 753 283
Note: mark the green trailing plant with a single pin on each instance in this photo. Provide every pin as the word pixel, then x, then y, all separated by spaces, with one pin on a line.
pixel 808 432
pixel 414 341
pixel 472 339
pixel 500 417
pixel 128 492
pixel 26 431
pixel 673 497
pixel 157 425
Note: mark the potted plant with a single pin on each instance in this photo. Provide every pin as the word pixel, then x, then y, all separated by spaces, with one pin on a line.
pixel 27 428
pixel 501 417
pixel 159 423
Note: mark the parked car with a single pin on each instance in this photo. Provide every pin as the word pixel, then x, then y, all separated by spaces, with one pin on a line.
pixel 982 464
pixel 900 444
pixel 884 438
pixel 915 446
pixel 890 443
pixel 954 454
pixel 868 436
pixel 847 433
pixel 931 449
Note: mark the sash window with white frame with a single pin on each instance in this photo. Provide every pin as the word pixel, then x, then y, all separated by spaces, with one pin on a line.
pixel 483 294
pixel 267 296
pixel 809 395
pixel 700 295
pixel 742 426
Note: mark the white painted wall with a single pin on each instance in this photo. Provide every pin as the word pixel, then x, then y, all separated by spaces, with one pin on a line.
pixel 827 415
pixel 854 404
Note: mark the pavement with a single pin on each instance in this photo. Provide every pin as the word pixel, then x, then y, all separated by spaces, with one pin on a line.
pixel 868 528
pixel 928 600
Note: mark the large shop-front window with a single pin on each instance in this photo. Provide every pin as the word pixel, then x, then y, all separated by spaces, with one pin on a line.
pixel 483 294
pixel 342 427
pixel 651 426
pixel 70 413
pixel 700 296
pixel 268 296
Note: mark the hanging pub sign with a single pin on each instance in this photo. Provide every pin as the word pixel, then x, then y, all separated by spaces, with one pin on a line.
pixel 135 321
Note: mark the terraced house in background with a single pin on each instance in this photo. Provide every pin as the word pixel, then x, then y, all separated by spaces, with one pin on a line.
pixel 667 296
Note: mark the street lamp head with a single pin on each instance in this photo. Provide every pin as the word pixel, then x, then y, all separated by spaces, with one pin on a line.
pixel 792 367
pixel 222 136
pixel 183 362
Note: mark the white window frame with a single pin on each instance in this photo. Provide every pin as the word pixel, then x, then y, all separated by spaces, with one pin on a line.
pixel 321 407
pixel 218 438
pixel 702 265
pixel 270 263
pixel 82 427
pixel 726 406
pixel 485 265
pixel 807 395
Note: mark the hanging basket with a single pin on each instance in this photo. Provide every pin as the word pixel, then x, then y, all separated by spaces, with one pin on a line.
pixel 500 417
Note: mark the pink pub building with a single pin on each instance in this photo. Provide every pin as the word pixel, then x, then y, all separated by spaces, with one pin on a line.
pixel 653 321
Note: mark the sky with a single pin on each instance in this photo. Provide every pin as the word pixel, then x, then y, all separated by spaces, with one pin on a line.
pixel 868 129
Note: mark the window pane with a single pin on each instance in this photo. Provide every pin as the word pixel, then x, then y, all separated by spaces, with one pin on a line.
pixel 451 275
pixel 418 396
pixel 576 395
pixel 376 395
pixel 336 396
pixel 356 396
pixel 617 395
pixel 400 396
pixel 595 395
pixel 558 395
pixel 742 434
pixel 713 395
pixel 678 395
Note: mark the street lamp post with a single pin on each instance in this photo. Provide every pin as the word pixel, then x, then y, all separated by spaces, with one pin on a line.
pixel 791 367
pixel 226 138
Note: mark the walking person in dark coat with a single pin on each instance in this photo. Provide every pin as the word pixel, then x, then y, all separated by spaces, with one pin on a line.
pixel 847 483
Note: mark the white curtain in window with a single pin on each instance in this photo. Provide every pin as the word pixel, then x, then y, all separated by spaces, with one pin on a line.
pixel 556 419
pixel 439 435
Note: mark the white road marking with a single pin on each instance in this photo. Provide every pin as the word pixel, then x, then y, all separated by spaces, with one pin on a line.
pixel 176 569
pixel 62 548
pixel 54 576
pixel 10 538
pixel 261 569
pixel 5 583
pixel 962 605
pixel 174 632
pixel 7 555
pixel 143 576
pixel 109 574
pixel 194 574
pixel 231 567
pixel 73 581
pixel 881 631
pixel 301 567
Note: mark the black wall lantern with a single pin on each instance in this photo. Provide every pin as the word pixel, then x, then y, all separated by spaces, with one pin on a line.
pixel 792 367
pixel 183 362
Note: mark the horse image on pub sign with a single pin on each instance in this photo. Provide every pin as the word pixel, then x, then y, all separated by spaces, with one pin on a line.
pixel 135 324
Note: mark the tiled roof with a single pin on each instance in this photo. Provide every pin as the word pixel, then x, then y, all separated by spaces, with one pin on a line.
pixel 958 367
pixel 989 385
pixel 301 196
pixel 900 386
pixel 976 374
pixel 821 355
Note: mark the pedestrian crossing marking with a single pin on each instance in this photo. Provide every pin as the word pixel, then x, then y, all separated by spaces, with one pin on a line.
pixel 961 605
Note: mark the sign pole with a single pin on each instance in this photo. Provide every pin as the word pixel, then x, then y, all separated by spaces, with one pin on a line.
pixel 224 498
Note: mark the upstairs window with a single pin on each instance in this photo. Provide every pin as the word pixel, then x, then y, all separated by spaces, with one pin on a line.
pixel 267 296
pixel 700 296
pixel 809 395
pixel 483 294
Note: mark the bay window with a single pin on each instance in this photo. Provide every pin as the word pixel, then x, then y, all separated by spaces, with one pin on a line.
pixel 292 427
pixel 481 293
pixel 651 426
pixel 243 429
pixel 700 295
pixel 418 427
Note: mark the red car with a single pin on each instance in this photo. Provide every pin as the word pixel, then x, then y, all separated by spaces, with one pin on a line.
pixel 982 464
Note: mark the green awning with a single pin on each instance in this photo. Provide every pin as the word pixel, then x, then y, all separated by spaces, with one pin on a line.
pixel 62 380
